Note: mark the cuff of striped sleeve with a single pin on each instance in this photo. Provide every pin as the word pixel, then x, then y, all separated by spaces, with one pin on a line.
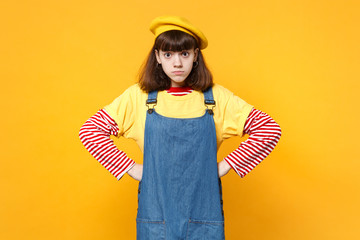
pixel 233 166
pixel 130 163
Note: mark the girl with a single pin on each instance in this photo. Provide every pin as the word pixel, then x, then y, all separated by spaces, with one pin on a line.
pixel 179 118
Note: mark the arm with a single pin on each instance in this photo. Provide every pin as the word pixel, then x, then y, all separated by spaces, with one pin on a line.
pixel 95 135
pixel 136 172
pixel 264 134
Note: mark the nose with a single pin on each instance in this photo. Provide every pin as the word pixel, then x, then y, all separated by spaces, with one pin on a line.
pixel 177 60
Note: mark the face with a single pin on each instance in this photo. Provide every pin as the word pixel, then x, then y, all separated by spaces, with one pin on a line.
pixel 177 65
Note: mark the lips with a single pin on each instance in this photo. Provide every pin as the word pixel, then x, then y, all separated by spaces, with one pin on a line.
pixel 178 72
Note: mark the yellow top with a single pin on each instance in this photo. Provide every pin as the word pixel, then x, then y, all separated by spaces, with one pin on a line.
pixel 129 111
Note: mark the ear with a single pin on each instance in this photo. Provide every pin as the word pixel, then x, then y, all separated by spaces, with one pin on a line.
pixel 157 56
pixel 196 53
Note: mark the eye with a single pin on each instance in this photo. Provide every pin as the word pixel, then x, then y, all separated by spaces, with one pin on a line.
pixel 167 54
pixel 185 54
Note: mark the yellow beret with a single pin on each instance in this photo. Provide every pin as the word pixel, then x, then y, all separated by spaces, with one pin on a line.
pixel 167 23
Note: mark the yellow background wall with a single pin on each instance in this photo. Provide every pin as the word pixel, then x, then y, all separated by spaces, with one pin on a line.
pixel 297 60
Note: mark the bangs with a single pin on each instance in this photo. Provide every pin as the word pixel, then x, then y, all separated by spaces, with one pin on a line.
pixel 175 41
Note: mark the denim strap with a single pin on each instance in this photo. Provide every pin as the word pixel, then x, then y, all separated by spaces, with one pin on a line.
pixel 151 101
pixel 152 96
pixel 208 94
pixel 209 101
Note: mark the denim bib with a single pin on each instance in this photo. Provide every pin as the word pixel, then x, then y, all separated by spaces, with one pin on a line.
pixel 180 194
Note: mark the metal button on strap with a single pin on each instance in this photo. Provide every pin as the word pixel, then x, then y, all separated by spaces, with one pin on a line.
pixel 151 103
pixel 210 105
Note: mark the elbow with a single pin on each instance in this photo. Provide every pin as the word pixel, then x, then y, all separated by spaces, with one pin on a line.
pixel 81 134
pixel 83 131
pixel 277 130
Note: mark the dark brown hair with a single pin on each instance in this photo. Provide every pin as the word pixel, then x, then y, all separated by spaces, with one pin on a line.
pixel 151 75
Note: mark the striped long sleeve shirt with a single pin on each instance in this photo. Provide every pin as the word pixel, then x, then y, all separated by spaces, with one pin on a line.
pixel 264 133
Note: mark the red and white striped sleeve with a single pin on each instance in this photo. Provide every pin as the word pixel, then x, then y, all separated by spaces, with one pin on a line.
pixel 264 134
pixel 95 135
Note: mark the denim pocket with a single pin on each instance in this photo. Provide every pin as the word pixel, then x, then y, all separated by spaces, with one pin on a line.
pixel 150 230
pixel 206 230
